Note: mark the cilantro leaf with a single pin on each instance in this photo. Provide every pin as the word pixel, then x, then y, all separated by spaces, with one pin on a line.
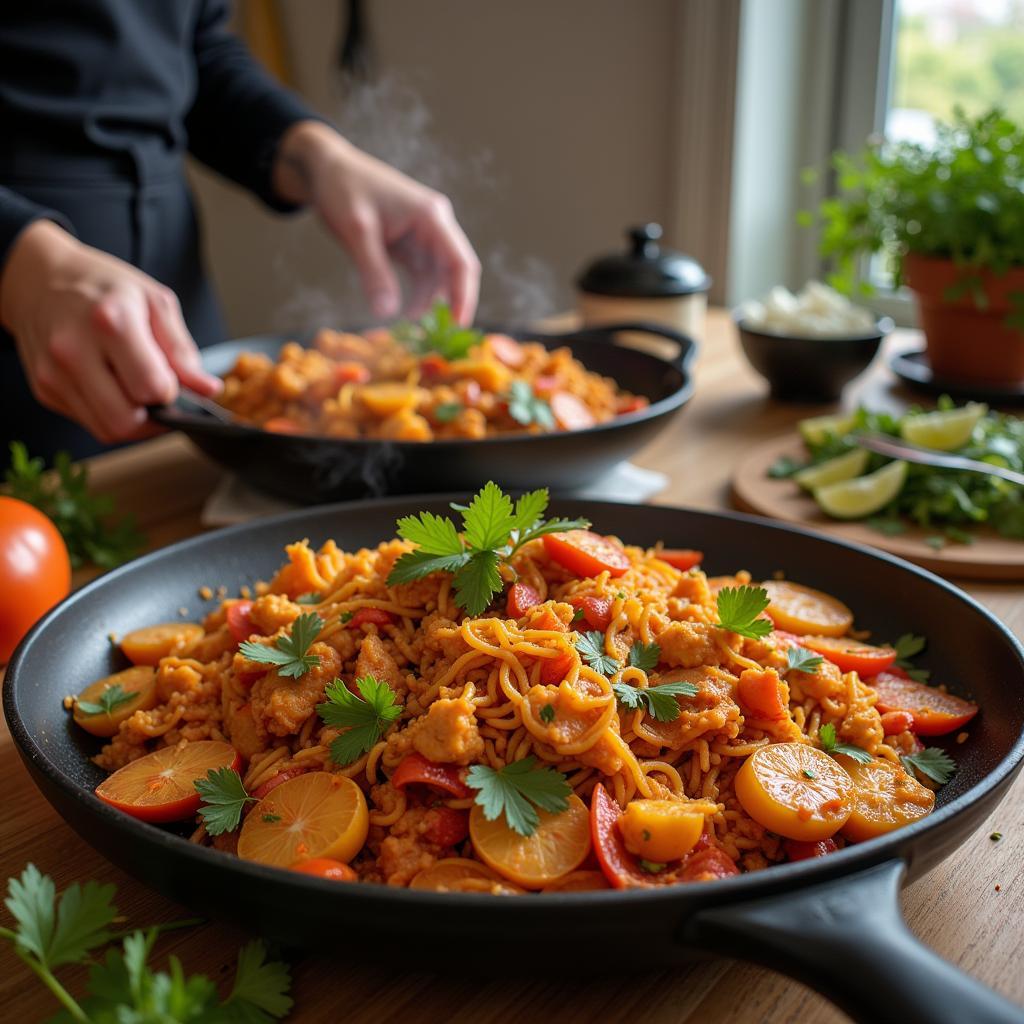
pixel 933 762
pixel 644 656
pixel 659 701
pixel 489 519
pixel 311 598
pixel 436 535
pixel 907 646
pixel 827 739
pixel 260 991
pixel 549 526
pixel 529 508
pixel 591 648
pixel 516 790
pixel 739 608
pixel 414 565
pixel 802 660
pixel 547 713
pixel 526 408
pixel 477 581
pixel 447 411
pixel 289 652
pixel 437 331
pixel 79 924
pixel 652 867
pixel 111 699
pixel 364 718
pixel 224 798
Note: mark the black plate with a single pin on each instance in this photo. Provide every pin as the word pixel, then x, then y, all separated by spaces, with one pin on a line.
pixel 914 369
pixel 832 922
pixel 311 470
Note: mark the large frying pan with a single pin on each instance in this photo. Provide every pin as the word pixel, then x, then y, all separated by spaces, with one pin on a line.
pixel 312 470
pixel 832 922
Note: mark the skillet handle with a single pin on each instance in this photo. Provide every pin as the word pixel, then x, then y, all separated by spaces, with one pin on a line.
pixel 846 938
pixel 681 360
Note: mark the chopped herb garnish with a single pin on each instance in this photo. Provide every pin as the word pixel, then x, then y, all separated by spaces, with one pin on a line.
pixel 289 652
pixel 644 656
pixel 620 595
pixel 271 818
pixel 827 739
pixel 526 408
pixel 577 615
pixel 547 713
pixel 651 867
pixel 447 411
pixel 311 598
pixel 996 836
pixel 739 609
pixel 364 719
pixel 809 774
pixel 110 699
pixel 493 530
pixel 659 701
pixel 437 331
pixel 591 648
pixel 906 647
pixel 517 790
pixel 224 798
pixel 802 660
pixel 346 617
pixel 933 762
pixel 647 835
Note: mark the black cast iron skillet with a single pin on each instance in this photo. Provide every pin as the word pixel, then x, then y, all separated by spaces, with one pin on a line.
pixel 833 922
pixel 312 470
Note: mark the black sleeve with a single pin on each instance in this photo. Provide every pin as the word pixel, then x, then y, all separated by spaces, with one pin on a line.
pixel 240 112
pixel 16 213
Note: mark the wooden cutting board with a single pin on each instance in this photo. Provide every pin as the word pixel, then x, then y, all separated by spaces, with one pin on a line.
pixel 990 557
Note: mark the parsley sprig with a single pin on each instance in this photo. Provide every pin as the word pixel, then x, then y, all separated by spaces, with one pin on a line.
pixel 739 609
pixel 437 331
pixel 644 656
pixel 517 790
pixel 907 646
pixel 364 718
pixel 933 762
pixel 827 739
pixel 591 649
pixel 526 408
pixel 659 701
pixel 493 530
pixel 802 660
pixel 224 798
pixel 109 700
pixel 289 653
pixel 51 933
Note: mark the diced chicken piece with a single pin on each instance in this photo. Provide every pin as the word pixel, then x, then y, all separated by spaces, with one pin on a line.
pixel 375 660
pixel 448 733
pixel 283 704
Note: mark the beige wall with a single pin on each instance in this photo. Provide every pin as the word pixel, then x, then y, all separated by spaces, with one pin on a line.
pixel 548 122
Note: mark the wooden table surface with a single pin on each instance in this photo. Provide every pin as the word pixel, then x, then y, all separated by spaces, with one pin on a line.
pixel 956 909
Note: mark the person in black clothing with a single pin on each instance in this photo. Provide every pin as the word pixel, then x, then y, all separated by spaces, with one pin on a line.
pixel 102 292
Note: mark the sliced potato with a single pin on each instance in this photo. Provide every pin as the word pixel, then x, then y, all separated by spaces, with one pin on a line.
pixel 138 682
pixel 148 645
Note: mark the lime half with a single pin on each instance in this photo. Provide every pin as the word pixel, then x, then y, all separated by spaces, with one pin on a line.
pixel 817 429
pixel 943 430
pixel 842 467
pixel 864 495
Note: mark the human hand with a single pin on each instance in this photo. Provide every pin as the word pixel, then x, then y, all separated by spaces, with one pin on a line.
pixel 382 217
pixel 99 339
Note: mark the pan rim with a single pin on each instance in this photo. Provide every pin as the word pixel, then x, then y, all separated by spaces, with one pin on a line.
pixel 746 886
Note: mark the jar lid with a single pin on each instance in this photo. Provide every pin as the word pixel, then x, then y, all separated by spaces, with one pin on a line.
pixel 645 270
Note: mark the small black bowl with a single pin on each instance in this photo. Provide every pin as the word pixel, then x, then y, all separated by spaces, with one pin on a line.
pixel 810 369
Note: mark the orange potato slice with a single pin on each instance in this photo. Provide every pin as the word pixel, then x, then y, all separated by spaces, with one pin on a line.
pixel 460 874
pixel 885 798
pixel 801 610
pixel 579 881
pixel 660 830
pixel 139 681
pixel 148 645
pixel 388 398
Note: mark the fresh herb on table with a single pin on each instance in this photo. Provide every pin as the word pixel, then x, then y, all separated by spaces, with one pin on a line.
pixel 906 647
pixel 447 411
pixel 83 519
pixel 224 798
pixel 800 659
pixel 290 652
pixel 547 713
pixel 111 699
pixel 785 466
pixel 590 646
pixel 658 701
pixel 739 610
pixel 364 718
pixel 933 762
pixel 890 526
pixel 121 985
pixel 644 656
pixel 437 331
pixel 996 836
pixel 827 739
pixel 517 790
pixel 493 530
pixel 526 408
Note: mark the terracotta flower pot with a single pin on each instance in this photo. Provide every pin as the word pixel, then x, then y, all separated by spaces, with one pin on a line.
pixel 965 342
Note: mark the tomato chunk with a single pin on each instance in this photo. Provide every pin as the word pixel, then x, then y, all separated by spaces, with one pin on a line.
pixel 570 412
pixel 796 850
pixel 325 867
pixel 521 598
pixel 597 611
pixel 633 404
pixel 554 670
pixel 850 656
pixel 681 558
pixel 377 616
pixel 894 722
pixel 239 623
pixel 934 712
pixel 415 769
pixel 272 783
pixel 708 865
pixel 351 373
pixel 585 553
pixel 446 826
pixel 544 385
pixel 506 350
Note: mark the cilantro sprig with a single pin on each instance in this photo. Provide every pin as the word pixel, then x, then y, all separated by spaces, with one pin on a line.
pixel 933 762
pixel 644 656
pixel 437 331
pixel 591 649
pixel 658 701
pixel 739 609
pixel 493 530
pixel 526 408
pixel 51 933
pixel 829 743
pixel 800 659
pixel 364 718
pixel 224 798
pixel 517 790
pixel 907 646
pixel 109 701
pixel 289 653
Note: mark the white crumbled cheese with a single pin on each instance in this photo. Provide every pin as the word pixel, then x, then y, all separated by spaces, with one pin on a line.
pixel 817 312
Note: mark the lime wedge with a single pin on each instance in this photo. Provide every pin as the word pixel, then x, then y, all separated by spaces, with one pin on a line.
pixel 842 467
pixel 817 428
pixel 943 430
pixel 864 495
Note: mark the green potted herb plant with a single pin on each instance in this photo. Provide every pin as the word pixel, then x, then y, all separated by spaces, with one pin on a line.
pixel 948 220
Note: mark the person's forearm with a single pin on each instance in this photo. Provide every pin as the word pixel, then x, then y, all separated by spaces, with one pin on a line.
pixel 300 156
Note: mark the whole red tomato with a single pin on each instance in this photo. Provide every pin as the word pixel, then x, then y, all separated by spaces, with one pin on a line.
pixel 35 571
